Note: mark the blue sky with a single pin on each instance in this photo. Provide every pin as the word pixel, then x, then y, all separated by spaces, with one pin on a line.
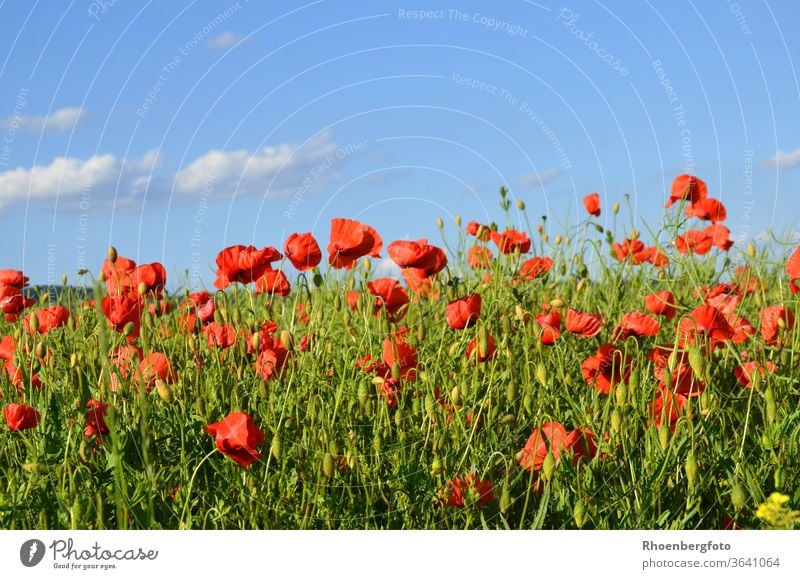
pixel 172 130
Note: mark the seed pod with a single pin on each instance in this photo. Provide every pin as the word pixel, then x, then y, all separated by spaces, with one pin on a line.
pixel 276 448
pixel 691 469
pixel 327 464
pixel 579 514
pixel 738 499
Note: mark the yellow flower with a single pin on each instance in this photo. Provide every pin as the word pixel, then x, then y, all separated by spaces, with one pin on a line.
pixel 776 514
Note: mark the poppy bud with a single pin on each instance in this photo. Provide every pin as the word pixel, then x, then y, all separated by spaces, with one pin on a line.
pixel 439 222
pixel 508 420
pixel 779 477
pixel 255 341
pixel 581 285
pixel 38 468
pixel 697 362
pixel 616 420
pixel 769 396
pixel 558 239
pixel 420 332
pixel 455 395
pixel 317 279
pixel 396 374
pixel 142 288
pixel 40 350
pixel 781 323
pixel 691 469
pixel 520 205
pixel 511 392
pixel 548 467
pixel 327 464
pixel 615 207
pixel 621 394
pixel 505 498
pixel 34 322
pixel 579 514
pixel 545 237
pixel 73 360
pixel 377 444
pixel 286 340
pixel 541 374
pixel 751 249
pixel 634 234
pixel 436 466
pixel 458 221
pixel 164 391
pixel 738 498
pixel 362 393
pixel 112 254
pixel 527 403
pixel 430 406
pixel 663 436
pixel 127 330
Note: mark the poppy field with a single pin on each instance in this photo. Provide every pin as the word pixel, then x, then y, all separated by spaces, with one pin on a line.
pixel 598 378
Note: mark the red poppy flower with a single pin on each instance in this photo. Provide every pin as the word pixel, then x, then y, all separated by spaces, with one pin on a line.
pixel 116 273
pixel 124 358
pixel 773 319
pixel 707 209
pixel 744 372
pixel 478 353
pixel 459 489
pixel 273 282
pixel 7 348
pixel 652 255
pixel 742 328
pixel 668 406
pixel 793 270
pixel 550 322
pixel 583 442
pixel 478 230
pixel 592 204
pixel 402 353
pixel 418 255
pixel 352 299
pixel 464 312
pixel 390 296
pixel 635 324
pixel 20 417
pixel 238 438
pixel 243 264
pixel 351 240
pixel 694 241
pixel 16 377
pixel 13 278
pixel 583 324
pixel 479 257
pixel 720 236
pixel 121 310
pixel 722 296
pixel 49 319
pixel 303 251
pixel 535 267
pixel 628 247
pixel 152 367
pixel 687 187
pixel 551 436
pixel 419 282
pixel 661 303
pixel 708 322
pixel 95 418
pixel 609 366
pixel 511 240
pixel 219 336
pixel 13 302
pixel 682 379
pixel 271 360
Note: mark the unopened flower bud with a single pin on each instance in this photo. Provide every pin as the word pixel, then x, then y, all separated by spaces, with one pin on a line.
pixel 112 254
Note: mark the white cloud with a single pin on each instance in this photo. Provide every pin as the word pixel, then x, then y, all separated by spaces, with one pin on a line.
pixel 783 160
pixel 385 267
pixel 280 170
pixel 277 171
pixel 60 121
pixel 70 178
pixel 224 40
pixel 534 178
